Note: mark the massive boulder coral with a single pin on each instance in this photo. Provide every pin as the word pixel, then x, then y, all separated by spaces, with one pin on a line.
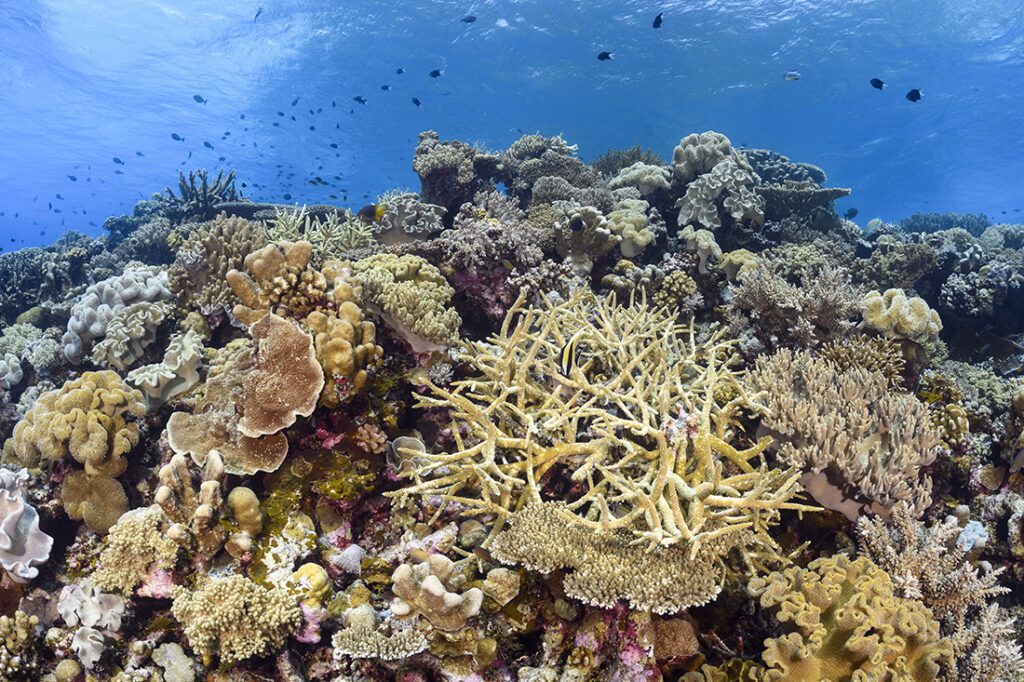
pixel 247 406
pixel 412 296
pixel 23 546
pixel 451 172
pixel 636 425
pixel 235 619
pixel 861 445
pixel 96 308
pixel 840 620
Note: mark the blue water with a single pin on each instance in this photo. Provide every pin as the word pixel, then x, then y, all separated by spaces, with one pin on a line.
pixel 84 81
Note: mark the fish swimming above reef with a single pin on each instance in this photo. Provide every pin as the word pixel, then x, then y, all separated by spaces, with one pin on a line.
pixel 793 75
pixel 851 213
pixel 915 95
pixel 436 73
pixel 468 19
pixel 877 83
pixel 399 71
pixel 657 21
pixel 199 99
pixel 604 56
pixel 258 13
pixel 385 88
pixel 417 102
pixel 360 99
pixel 177 138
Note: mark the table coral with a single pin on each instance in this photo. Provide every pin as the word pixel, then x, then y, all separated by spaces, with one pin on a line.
pixel 235 619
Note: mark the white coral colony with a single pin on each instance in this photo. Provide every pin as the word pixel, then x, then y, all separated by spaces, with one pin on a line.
pixel 23 545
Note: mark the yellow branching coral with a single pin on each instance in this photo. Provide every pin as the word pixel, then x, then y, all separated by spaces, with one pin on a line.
pixel 861 445
pixel 841 621
pixel 413 298
pixel 137 543
pixel 235 618
pixel 895 315
pixel 635 425
pixel 86 418
pixel 278 279
pixel 19 659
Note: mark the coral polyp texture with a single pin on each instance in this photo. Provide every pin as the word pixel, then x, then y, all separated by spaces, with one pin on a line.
pixel 534 420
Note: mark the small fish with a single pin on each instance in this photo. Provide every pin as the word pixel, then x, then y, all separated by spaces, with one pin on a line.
pixel 468 19
pixel 576 223
pixel 295 101
pixel 385 88
pixel 360 99
pixel 657 21
pixel 436 73
pixel 915 95
pixel 604 56
pixel 73 178
pixel 851 213
pixel 241 116
pixel 258 13
pixel 567 356
pixel 177 138
pixel 334 145
pixel 139 154
pixel 399 71
pixel 287 197
pixel 793 75
pixel 417 102
pixel 199 99
pixel 118 161
pixel 877 83
pixel 368 213
pixel 207 145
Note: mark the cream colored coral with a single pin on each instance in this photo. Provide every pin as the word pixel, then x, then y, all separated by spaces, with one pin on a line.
pixel 137 544
pixel 18 641
pixel 311 584
pixel 362 637
pixel 178 372
pixel 427 588
pixel 128 334
pixel 278 279
pixel 195 514
pixel 235 618
pixel 703 243
pixel 244 509
pixel 628 219
pixel 645 177
pixel 895 315
pixel 98 500
pixel 413 297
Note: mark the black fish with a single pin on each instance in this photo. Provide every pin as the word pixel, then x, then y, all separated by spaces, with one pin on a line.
pixel 118 161
pixel 399 71
pixel 367 213
pixel 207 145
pixel 287 197
pixel 385 88
pixel 360 99
pixel 280 113
pixel 119 172
pixel 604 56
pixel 72 178
pixel 877 83
pixel 657 21
pixel 851 213
pixel 915 95
pixel 59 196
pixel 241 116
pixel 224 158
pixel 177 138
pixel 199 99
pixel 334 145
pixel 258 13
pixel 576 224
pixel 436 73
pixel 295 101
pixel 276 124
pixel 468 19
pixel 139 154
pixel 416 101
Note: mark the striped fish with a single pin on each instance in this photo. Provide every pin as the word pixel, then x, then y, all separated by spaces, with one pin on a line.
pixel 567 356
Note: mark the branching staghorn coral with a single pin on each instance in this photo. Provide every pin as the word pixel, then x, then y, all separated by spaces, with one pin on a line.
pixel 329 235
pixel 861 445
pixel 635 425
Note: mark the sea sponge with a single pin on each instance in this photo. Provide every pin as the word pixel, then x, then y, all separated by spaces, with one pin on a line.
pixel 23 546
pixel 280 280
pixel 235 618
pixel 895 315
pixel 412 296
pixel 841 620
pixel 178 372
pixel 85 418
pixel 130 331
pixel 629 221
pixel 428 588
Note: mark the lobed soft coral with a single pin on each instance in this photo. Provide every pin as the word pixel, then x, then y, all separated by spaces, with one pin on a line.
pixel 896 315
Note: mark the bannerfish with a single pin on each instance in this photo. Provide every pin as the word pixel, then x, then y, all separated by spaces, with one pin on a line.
pixel 604 56
pixel 657 21
pixel 360 99
pixel 416 101
pixel 793 75
pixel 851 213
pixel 877 83
pixel 915 95
pixel 567 356
pixel 177 138
pixel 436 73
pixel 199 99
pixel 468 19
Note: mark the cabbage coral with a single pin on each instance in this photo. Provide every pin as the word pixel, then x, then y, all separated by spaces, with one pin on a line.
pixel 635 426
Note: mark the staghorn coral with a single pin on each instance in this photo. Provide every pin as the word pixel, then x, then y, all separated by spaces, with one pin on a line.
pixel 130 331
pixel 136 545
pixel 178 372
pixel 204 258
pixel 262 392
pixel 23 546
pixel 412 296
pixel 235 619
pixel 841 620
pixel 329 235
pixel 895 315
pixel 427 588
pixel 860 445
pixel 635 425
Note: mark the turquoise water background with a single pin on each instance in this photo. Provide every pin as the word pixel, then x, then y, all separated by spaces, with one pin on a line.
pixel 85 81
